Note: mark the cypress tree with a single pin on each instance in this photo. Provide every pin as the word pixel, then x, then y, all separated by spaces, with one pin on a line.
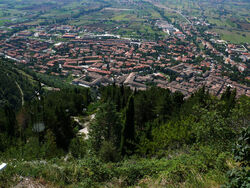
pixel 105 127
pixel 49 148
pixel 11 125
pixel 128 131
pixel 229 97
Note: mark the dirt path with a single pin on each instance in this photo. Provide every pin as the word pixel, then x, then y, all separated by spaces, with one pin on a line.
pixel 85 125
pixel 21 91
pixel 29 183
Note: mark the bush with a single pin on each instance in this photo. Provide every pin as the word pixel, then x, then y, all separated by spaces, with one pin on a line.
pixel 241 150
pixel 240 177
pixel 108 152
pixel 78 147
pixel 221 161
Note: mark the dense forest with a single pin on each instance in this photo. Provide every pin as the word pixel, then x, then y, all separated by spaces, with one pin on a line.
pixel 151 138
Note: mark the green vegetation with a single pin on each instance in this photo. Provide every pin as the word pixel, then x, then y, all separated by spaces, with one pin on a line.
pixel 15 86
pixel 133 20
pixel 136 138
pixel 234 36
pixel 3 21
pixel 151 138
pixel 92 172
pixel 239 176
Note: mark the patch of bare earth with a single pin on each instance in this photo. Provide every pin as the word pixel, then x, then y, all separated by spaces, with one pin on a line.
pixel 30 183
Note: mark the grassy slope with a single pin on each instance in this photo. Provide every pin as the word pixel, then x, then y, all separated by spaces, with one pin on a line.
pixel 11 79
pixel 197 169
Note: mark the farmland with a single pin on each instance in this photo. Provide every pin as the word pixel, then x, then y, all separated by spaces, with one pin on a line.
pixel 133 20
pixel 234 35
pixel 226 17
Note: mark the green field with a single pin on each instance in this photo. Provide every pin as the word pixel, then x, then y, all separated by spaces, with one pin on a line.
pixel 234 36
pixel 3 21
pixel 222 23
pixel 132 22
pixel 133 19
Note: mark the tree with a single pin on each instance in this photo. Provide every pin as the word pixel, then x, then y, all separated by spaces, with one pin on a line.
pixel 106 127
pixel 241 113
pixel 164 106
pixel 128 130
pixel 210 126
pixel 11 124
pixel 63 129
pixel 178 99
pixel 229 99
pixel 143 109
pixel 49 147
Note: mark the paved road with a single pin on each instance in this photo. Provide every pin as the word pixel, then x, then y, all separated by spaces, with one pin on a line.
pixel 169 9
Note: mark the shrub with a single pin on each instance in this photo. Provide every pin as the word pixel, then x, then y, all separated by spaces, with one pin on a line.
pixel 108 152
pixel 221 161
pixel 241 150
pixel 78 147
pixel 240 177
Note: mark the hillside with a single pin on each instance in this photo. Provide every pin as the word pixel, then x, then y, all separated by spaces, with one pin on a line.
pixel 125 93
pixel 151 138
pixel 15 85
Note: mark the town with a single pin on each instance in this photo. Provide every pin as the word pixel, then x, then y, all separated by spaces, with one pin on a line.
pixel 124 93
pixel 184 61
